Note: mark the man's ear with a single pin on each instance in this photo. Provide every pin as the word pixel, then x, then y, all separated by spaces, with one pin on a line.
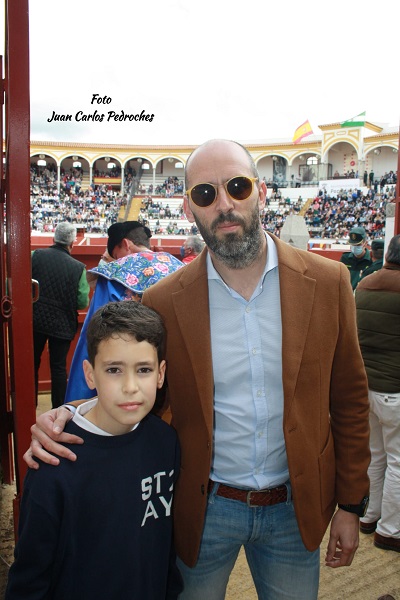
pixel 89 374
pixel 187 210
pixel 262 194
pixel 127 246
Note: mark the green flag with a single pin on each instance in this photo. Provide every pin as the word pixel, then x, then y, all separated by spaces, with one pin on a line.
pixel 357 121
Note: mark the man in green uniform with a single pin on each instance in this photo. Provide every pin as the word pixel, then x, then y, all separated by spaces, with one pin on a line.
pixel 359 258
pixel 377 248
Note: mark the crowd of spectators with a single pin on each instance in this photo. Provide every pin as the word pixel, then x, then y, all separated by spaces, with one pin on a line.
pixel 328 216
pixel 44 179
pixel 154 214
pixel 168 189
pixel 114 172
pixel 332 216
pixel 156 209
pixel 94 209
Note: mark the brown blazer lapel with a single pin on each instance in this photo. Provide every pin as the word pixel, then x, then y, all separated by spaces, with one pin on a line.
pixel 192 310
pixel 297 298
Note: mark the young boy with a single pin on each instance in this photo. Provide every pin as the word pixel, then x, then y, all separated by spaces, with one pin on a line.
pixel 101 527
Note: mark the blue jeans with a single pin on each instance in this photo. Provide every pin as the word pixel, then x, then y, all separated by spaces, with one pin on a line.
pixel 281 567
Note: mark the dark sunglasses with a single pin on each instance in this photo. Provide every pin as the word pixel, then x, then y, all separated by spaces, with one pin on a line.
pixel 238 188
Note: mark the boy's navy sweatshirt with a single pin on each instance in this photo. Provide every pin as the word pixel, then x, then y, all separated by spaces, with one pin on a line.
pixel 101 527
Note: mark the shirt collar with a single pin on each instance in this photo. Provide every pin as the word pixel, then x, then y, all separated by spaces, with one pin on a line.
pixel 271 263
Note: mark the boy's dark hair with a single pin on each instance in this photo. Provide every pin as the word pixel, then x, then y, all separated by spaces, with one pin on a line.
pixel 126 317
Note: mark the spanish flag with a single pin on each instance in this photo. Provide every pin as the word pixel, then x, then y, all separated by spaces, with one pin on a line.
pixel 302 131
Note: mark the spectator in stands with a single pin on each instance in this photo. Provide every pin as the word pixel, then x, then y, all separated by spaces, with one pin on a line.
pixel 63 289
pixel 378 316
pixel 359 257
pixel 371 178
pixel 377 249
pixel 191 248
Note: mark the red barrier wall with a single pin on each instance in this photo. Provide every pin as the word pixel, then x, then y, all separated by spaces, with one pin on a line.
pixel 328 253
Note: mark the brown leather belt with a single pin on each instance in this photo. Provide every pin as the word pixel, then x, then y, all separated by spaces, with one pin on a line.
pixel 252 498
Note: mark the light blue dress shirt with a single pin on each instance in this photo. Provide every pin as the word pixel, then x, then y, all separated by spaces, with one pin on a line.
pixel 246 342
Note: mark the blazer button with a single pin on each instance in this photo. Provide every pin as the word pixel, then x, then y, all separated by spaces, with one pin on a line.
pixel 202 489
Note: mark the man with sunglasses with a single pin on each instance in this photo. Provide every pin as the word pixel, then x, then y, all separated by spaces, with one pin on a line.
pixel 271 408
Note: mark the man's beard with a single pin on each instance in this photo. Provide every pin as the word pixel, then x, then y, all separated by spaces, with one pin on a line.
pixel 234 250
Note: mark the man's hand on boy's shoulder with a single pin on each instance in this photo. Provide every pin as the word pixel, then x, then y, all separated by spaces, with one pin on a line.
pixel 48 436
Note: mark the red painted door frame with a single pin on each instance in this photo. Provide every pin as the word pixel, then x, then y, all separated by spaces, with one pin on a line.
pixel 18 394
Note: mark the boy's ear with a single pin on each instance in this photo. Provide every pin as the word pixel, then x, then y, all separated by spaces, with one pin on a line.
pixel 89 375
pixel 161 374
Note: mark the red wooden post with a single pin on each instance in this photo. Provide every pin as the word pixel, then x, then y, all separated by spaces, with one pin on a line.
pixel 17 202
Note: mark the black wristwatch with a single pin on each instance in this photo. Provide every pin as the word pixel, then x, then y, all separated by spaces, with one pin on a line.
pixel 357 509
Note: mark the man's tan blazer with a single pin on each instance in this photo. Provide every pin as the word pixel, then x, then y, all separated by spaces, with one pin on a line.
pixel 326 408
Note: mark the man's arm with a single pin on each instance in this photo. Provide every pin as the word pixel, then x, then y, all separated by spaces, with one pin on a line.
pixel 349 405
pixel 48 436
pixel 83 291
pixel 349 410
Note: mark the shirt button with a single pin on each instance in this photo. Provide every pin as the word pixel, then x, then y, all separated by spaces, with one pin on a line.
pixel 254 350
pixel 258 393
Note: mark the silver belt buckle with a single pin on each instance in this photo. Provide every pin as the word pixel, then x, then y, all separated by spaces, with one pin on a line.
pixel 248 498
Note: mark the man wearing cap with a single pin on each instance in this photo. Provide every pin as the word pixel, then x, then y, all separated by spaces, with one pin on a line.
pixel 377 248
pixel 378 316
pixel 359 257
pixel 63 289
pixel 115 281
pixel 126 238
